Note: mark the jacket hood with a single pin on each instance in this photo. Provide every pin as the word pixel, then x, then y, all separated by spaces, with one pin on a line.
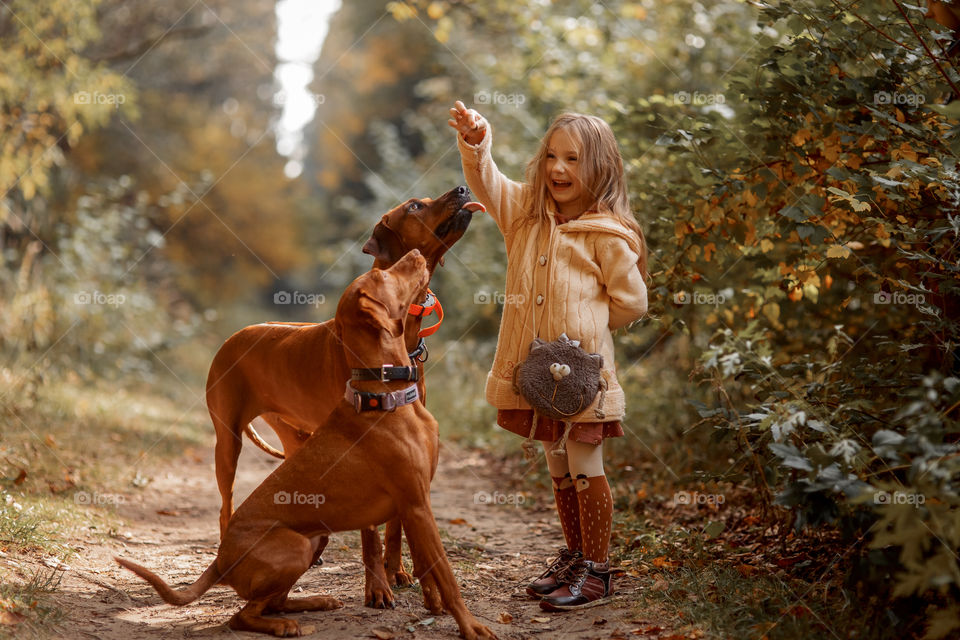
pixel 603 223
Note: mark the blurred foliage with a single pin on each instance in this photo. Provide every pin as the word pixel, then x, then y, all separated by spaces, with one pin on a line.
pixel 137 171
pixel 835 359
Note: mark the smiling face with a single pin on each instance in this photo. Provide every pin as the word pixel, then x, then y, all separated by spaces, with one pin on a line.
pixel 562 168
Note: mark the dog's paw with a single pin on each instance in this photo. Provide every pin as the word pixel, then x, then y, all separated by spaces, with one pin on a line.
pixel 380 599
pixel 400 578
pixel 329 603
pixel 381 604
pixel 477 631
pixel 282 628
pixel 431 600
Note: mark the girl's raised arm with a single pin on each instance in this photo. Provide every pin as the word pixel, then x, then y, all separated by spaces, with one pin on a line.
pixel 503 197
pixel 471 125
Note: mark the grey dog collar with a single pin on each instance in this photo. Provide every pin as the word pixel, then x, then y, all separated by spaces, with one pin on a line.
pixel 386 401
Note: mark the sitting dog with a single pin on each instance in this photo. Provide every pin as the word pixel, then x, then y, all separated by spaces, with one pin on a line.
pixel 346 476
pixel 291 375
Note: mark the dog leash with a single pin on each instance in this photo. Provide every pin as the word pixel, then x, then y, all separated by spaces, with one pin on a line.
pixel 385 401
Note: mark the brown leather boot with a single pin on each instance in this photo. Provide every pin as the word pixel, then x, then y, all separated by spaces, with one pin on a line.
pixel 585 584
pixel 547 581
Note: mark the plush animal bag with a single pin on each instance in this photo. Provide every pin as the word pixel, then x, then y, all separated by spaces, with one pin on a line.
pixel 559 380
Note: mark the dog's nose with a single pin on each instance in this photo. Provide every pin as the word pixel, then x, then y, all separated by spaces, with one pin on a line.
pixel 462 190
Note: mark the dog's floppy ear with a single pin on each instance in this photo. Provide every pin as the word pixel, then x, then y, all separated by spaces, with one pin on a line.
pixel 384 244
pixel 373 247
pixel 377 314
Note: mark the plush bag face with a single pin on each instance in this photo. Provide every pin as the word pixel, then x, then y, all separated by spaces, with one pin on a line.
pixel 559 379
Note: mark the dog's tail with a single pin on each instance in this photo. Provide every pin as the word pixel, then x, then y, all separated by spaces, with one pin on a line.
pixel 177 597
pixel 260 442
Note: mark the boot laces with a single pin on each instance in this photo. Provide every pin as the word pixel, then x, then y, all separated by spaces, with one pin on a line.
pixel 573 574
pixel 562 560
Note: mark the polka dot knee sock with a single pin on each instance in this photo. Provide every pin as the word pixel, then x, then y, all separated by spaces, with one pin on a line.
pixel 596 516
pixel 568 508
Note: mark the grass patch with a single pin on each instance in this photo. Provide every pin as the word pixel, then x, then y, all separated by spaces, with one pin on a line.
pixel 716 568
pixel 85 443
pixel 69 454
pixel 723 603
pixel 25 608
pixel 20 529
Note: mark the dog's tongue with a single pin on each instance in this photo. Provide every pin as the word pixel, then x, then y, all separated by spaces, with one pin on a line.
pixel 474 207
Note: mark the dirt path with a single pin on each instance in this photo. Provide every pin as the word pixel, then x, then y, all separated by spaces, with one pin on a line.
pixel 171 526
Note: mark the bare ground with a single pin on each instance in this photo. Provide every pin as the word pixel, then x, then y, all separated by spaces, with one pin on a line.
pixel 171 527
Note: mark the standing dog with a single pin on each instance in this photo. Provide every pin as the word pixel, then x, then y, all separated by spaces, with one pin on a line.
pixel 292 374
pixel 346 476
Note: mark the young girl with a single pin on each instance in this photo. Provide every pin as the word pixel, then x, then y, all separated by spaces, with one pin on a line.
pixel 576 261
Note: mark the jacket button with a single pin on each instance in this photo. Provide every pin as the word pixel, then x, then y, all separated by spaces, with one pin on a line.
pixel 540 299
pixel 543 260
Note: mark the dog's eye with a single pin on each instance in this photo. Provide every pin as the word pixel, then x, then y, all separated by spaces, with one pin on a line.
pixel 414 206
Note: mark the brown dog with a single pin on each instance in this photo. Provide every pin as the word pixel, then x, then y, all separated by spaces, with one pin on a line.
pixel 292 374
pixel 346 476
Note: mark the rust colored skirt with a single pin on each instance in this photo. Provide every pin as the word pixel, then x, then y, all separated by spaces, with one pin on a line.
pixel 518 421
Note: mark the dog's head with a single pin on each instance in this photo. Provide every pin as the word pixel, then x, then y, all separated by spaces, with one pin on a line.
pixel 431 226
pixel 377 302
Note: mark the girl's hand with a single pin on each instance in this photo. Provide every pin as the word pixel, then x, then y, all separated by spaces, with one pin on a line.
pixel 471 125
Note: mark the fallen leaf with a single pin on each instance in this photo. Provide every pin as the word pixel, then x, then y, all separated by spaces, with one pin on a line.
pixel 797 611
pixel 664 563
pixel 383 633
pixel 505 618
pixel 168 512
pixel 307 629
pixel 539 619
pixel 746 570
pixel 659 584
pixel 20 477
pixel 10 618
pixel 785 563
pixel 458 521
pixel 599 621
pixel 53 563
pixel 50 441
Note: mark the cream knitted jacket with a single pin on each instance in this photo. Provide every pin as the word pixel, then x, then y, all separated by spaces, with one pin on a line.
pixel 580 278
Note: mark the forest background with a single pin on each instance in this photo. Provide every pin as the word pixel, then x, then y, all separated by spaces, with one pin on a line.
pixel 796 383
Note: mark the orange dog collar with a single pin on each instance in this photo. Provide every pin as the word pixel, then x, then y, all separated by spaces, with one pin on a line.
pixel 431 304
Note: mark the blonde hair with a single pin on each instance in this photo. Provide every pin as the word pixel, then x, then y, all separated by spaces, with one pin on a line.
pixel 601 171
